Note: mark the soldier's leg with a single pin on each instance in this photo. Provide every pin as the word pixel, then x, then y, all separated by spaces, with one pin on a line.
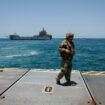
pixel 62 72
pixel 68 76
pixel 68 73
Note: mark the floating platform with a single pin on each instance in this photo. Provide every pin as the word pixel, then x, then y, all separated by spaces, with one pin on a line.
pixel 38 87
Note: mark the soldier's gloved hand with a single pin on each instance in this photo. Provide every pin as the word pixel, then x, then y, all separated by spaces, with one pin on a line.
pixel 67 51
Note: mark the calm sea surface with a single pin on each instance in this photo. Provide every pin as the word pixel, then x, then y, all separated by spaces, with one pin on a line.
pixel 43 54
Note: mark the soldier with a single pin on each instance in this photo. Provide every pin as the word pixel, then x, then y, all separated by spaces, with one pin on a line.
pixel 67 52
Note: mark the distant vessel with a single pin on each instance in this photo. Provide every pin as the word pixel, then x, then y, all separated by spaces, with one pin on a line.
pixel 42 36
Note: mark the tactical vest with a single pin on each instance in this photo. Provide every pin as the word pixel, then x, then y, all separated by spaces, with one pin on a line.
pixel 69 46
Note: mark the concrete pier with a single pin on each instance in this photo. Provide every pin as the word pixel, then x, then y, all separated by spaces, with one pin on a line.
pixel 38 87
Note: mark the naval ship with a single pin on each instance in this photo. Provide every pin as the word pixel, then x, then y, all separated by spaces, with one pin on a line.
pixel 42 36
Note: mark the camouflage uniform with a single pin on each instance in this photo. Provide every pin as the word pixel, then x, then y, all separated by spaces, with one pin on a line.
pixel 66 65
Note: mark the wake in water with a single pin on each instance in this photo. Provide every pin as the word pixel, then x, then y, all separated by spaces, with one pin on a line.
pixel 18 55
pixel 6 48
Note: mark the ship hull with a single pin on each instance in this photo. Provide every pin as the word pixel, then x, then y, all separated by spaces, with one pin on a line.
pixel 30 38
pixel 42 36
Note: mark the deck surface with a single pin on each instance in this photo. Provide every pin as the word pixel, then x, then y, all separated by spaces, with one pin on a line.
pixel 30 88
pixel 9 76
pixel 96 83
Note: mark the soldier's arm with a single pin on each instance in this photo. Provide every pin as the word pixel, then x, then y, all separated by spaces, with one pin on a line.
pixel 62 47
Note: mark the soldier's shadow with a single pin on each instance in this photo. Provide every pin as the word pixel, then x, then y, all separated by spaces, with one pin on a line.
pixel 65 83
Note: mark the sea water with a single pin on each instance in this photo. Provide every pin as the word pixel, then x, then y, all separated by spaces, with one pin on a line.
pixel 44 54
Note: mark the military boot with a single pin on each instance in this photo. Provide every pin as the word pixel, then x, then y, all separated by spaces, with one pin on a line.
pixel 58 81
pixel 70 84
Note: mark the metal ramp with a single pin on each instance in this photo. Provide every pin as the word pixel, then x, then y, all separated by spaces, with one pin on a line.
pixel 95 82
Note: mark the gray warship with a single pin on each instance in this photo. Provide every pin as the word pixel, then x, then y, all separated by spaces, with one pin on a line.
pixel 42 36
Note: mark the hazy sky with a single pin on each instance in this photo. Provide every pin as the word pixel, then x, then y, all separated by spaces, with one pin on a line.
pixel 86 18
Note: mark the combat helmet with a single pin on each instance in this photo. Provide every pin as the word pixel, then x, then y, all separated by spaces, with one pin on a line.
pixel 69 34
